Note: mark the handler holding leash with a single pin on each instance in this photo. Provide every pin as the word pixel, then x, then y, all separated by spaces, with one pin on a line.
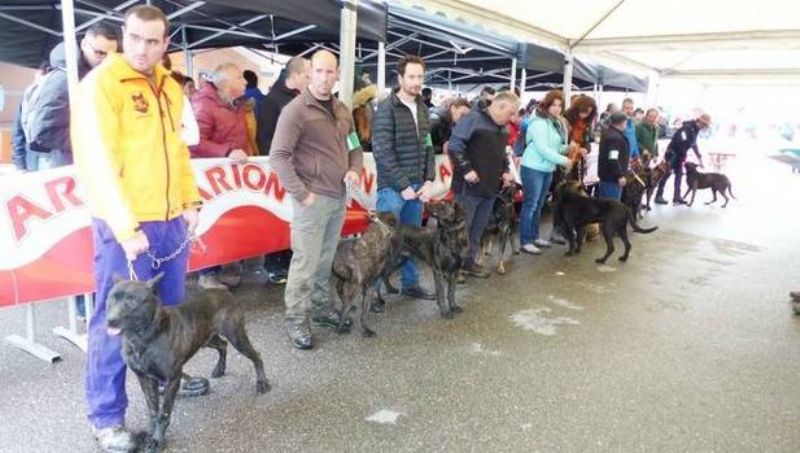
pixel 135 169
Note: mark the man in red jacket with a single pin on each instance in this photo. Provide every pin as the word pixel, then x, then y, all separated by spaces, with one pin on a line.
pixel 220 117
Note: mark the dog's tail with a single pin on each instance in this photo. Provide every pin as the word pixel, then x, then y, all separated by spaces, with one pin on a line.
pixel 730 190
pixel 636 227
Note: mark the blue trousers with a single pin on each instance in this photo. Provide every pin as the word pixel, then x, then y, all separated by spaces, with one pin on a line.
pixel 610 190
pixel 408 212
pixel 535 185
pixel 105 368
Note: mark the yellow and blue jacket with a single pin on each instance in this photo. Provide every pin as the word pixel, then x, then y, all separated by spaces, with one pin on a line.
pixel 127 145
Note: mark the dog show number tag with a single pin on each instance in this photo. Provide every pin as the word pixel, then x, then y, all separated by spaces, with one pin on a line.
pixel 353 143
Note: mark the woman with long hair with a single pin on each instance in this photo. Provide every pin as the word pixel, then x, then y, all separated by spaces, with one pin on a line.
pixel 546 149
pixel 580 118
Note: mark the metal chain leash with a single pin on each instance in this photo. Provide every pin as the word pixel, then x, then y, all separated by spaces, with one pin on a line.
pixel 158 262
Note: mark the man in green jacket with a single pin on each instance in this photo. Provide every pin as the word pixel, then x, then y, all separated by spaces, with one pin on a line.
pixel 647 135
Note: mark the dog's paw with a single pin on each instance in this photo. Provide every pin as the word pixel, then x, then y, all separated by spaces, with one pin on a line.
pixel 367 333
pixel 152 446
pixel 218 372
pixel 623 258
pixel 263 387
pixel 447 314
pixel 600 261
pixel 377 306
pixel 343 329
pixel 455 309
pixel 501 270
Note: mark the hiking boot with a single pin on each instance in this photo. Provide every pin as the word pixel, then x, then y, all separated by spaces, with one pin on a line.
pixel 532 249
pixel 678 201
pixel 661 200
pixel 210 281
pixel 476 271
pixel 278 277
pixel 328 318
pixel 299 333
pixel 114 439
pixel 542 243
pixel 415 292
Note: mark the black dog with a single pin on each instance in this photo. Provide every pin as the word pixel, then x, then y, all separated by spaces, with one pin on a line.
pixel 502 225
pixel 717 182
pixel 633 192
pixel 359 263
pixel 577 210
pixel 157 341
pixel 444 248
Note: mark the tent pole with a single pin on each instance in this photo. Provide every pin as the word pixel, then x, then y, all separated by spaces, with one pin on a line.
pixel 513 80
pixel 347 50
pixel 522 82
pixel 567 87
pixel 71 45
pixel 187 54
pixel 381 68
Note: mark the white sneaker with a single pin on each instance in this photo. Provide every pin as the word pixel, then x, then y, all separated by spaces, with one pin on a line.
pixel 543 243
pixel 210 281
pixel 114 439
pixel 532 249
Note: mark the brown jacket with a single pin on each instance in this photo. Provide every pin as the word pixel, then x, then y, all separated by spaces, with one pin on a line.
pixel 310 151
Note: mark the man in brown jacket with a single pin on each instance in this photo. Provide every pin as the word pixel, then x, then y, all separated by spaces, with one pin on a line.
pixel 315 152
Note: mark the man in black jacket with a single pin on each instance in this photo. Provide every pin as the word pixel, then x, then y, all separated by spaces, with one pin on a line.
pixel 478 151
pixel 612 161
pixel 294 80
pixel 401 144
pixel 286 88
pixel 684 139
pixel 443 119
pixel 47 124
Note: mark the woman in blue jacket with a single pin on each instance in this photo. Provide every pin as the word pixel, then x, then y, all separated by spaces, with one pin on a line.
pixel 546 148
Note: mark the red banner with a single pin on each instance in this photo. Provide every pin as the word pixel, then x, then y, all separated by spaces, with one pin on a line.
pixel 46 247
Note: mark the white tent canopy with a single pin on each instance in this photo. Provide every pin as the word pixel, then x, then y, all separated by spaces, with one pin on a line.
pixel 681 38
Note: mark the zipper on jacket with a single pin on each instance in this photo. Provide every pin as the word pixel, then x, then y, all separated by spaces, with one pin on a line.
pixel 163 137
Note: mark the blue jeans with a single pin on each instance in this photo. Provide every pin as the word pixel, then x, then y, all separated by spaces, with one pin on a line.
pixel 610 190
pixel 535 185
pixel 105 368
pixel 478 210
pixel 408 212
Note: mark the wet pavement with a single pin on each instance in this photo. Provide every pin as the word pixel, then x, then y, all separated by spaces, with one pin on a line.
pixel 690 346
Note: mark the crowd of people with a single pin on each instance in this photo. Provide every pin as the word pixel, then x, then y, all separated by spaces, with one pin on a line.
pixel 135 125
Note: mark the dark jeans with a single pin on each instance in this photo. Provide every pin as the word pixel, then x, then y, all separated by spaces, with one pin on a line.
pixel 535 185
pixel 677 170
pixel 478 210
pixel 610 190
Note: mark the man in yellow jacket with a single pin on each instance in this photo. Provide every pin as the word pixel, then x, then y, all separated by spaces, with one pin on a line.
pixel 135 169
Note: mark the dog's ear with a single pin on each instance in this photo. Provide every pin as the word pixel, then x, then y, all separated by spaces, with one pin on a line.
pixel 154 281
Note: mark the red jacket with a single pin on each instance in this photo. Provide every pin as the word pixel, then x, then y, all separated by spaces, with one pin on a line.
pixel 223 126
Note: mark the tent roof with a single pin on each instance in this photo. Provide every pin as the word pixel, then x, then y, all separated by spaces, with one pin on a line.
pixel 30 28
pixel 679 38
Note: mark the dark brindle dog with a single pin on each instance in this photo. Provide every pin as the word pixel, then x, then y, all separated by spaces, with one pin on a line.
pixel 653 177
pixel 443 248
pixel 359 263
pixel 577 210
pixel 717 182
pixel 157 341
pixel 634 191
pixel 501 226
